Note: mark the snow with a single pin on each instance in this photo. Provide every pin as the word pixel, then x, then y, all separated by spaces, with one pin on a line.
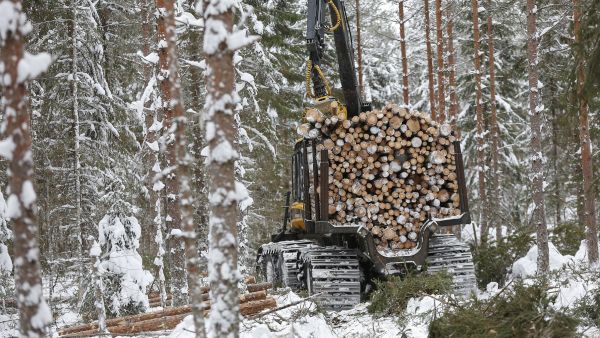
pixel 527 266
pixel 28 195
pixel 119 237
pixel 6 264
pixel 13 207
pixel 7 147
pixel 223 152
pixel 32 65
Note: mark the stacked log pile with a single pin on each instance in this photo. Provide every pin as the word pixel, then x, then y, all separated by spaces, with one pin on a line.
pixel 390 170
pixel 251 303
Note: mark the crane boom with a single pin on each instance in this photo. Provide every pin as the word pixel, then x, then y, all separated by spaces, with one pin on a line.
pixel 315 41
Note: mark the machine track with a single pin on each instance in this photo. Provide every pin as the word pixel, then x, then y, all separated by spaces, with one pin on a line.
pixel 278 262
pixel 447 253
pixel 333 274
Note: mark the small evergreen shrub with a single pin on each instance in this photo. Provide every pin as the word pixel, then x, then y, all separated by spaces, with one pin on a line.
pixel 519 311
pixel 494 260
pixel 392 294
pixel 567 237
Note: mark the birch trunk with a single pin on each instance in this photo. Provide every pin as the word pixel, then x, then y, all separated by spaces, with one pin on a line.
pixel 429 62
pixel 34 313
pixel 453 111
pixel 172 107
pixel 440 62
pixel 361 85
pixel 494 189
pixel 589 210
pixel 224 193
pixel 483 205
pixel 535 114
pixel 405 88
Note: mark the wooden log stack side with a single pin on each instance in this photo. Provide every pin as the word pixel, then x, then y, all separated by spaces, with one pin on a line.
pixel 251 303
pixel 390 170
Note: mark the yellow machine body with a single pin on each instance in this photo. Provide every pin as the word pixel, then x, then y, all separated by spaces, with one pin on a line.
pixel 297 216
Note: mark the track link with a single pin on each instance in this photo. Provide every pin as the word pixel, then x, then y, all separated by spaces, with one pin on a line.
pixel 447 253
pixel 334 275
pixel 284 256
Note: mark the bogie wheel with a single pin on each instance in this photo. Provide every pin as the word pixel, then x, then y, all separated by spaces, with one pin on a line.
pixel 268 272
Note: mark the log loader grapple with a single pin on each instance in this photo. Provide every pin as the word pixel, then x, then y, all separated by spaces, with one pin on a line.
pixel 336 262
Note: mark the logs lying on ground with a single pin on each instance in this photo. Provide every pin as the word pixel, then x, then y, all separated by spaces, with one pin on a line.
pixel 390 170
pixel 251 303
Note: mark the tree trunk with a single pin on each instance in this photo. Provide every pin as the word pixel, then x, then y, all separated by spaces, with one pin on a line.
pixel 557 183
pixel 585 143
pixel 535 113
pixel 453 111
pixel 98 288
pixel 494 189
pixel 224 192
pixel 405 95
pixel 440 62
pixel 76 150
pixel 429 63
pixel 34 313
pixel 172 107
pixel 151 157
pixel 483 205
pixel 361 85
pixel 196 263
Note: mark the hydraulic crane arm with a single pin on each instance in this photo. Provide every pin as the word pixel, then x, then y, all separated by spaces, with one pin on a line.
pixel 315 36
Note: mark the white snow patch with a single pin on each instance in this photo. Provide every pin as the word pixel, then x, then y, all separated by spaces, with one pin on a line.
pixel 527 266
pixel 32 65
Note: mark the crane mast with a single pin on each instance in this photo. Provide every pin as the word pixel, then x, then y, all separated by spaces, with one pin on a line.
pixel 315 42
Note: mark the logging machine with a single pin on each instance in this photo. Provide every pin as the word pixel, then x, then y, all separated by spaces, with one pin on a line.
pixel 336 262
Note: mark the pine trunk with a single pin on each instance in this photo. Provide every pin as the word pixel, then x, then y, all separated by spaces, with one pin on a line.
pixel 494 189
pixel 429 63
pixel 405 88
pixel 453 111
pixel 76 150
pixel 483 205
pixel 589 210
pixel 152 161
pixel 440 62
pixel 361 85
pixel 535 114
pixel 172 107
pixel 98 289
pixel 34 313
pixel 221 133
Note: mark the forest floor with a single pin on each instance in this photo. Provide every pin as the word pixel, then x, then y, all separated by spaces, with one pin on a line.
pixel 571 282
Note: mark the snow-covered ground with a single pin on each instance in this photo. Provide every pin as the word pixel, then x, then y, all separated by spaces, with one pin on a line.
pixel 306 321
pixel 571 284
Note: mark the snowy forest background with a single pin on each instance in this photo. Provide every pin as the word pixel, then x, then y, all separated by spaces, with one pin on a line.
pixel 96 174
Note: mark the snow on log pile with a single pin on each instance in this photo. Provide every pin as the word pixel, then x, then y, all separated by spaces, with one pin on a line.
pixel 390 170
pixel 251 303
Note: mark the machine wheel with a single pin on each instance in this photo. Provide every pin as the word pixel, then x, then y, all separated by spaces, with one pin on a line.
pixel 268 270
